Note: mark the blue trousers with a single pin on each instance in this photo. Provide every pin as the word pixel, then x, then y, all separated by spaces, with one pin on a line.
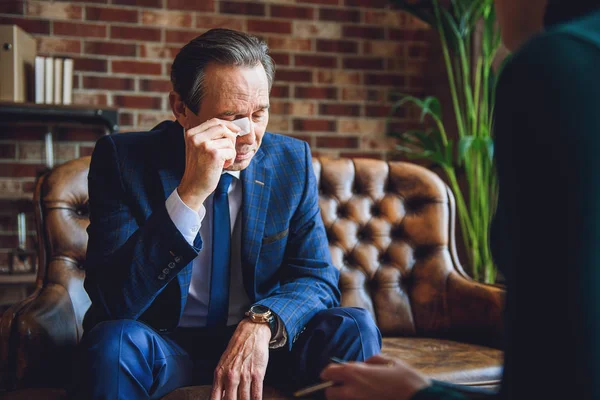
pixel 127 359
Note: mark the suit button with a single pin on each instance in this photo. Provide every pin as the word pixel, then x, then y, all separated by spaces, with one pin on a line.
pixel 162 277
pixel 171 264
pixel 166 271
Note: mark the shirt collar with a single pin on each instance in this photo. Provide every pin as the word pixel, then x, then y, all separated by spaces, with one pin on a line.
pixel 235 174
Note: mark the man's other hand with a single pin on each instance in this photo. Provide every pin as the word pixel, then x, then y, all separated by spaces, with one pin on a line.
pixel 379 377
pixel 209 148
pixel 241 369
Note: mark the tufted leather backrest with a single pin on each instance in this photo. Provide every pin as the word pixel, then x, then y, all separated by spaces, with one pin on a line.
pixel 62 216
pixel 391 233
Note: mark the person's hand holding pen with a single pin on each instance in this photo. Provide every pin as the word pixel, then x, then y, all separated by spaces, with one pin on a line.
pixel 379 378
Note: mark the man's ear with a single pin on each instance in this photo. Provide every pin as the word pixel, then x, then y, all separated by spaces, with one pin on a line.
pixel 178 107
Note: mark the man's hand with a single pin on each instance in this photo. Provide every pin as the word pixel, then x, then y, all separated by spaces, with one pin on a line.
pixel 241 369
pixel 209 148
pixel 379 378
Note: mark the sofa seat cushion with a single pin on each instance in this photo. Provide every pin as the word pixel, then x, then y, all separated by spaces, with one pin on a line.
pixel 444 360
pixel 449 361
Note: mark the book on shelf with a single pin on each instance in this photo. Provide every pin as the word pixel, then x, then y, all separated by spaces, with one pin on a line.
pixel 53 80
pixel 39 79
pixel 49 81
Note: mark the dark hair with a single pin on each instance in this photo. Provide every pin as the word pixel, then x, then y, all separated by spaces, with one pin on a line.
pixel 220 46
pixel 559 11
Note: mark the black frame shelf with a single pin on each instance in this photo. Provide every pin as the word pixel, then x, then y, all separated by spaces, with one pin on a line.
pixel 106 116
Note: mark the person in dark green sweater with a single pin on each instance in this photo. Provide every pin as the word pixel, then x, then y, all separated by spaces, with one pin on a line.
pixel 546 232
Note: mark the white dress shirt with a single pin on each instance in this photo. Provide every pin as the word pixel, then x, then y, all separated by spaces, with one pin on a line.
pixel 189 222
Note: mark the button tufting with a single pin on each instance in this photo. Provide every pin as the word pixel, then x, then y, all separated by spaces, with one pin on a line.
pixel 171 264
pixel 166 271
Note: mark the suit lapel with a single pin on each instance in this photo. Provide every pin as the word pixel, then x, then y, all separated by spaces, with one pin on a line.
pixel 256 186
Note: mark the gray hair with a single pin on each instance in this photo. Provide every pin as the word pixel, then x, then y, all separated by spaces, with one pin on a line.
pixel 220 46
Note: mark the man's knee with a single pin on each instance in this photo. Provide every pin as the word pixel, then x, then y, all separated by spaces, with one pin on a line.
pixel 110 339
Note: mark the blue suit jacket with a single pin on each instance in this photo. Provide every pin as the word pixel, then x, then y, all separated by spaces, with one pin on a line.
pixel 133 243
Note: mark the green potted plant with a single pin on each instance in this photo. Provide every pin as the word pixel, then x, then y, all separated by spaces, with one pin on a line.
pixel 471 152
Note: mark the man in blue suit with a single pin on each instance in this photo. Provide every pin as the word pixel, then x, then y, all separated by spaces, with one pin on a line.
pixel 207 258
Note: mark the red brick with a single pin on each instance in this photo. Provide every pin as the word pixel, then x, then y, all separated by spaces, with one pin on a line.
pixel 417 51
pixel 80 134
pixel 90 64
pixel 79 30
pixel 293 75
pixel 279 91
pixel 108 83
pixel 125 119
pixel 280 58
pixel 166 18
pixel 352 110
pixel 28 25
pixel 337 46
pixel 8 150
pixel 12 7
pixel 90 1
pixel 140 3
pixel 303 92
pixel 111 14
pixel 340 15
pixel 363 63
pixel 216 21
pixel 362 32
pixel 51 45
pixel 54 10
pixel 131 33
pixel 291 12
pixel 19 170
pixel 385 79
pixel 243 8
pixel 144 102
pixel 409 35
pixel 320 2
pixel 269 26
pixel 9 241
pixel 136 67
pixel 110 48
pixel 159 50
pixel 315 61
pixel 367 3
pixel 155 85
pixel 86 150
pixel 181 36
pixel 337 142
pixel 23 132
pixel 416 81
pixel 289 44
pixel 187 5
pixel 279 107
pixel 304 138
pixel 378 111
pixel 90 99
pixel 315 125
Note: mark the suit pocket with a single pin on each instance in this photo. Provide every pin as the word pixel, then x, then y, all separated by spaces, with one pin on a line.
pixel 275 237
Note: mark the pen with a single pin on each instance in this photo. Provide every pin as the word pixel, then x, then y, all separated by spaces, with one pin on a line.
pixel 320 386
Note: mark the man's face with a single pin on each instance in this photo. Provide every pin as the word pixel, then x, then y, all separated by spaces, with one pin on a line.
pixel 231 93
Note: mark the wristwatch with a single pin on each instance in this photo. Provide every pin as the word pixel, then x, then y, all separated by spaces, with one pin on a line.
pixel 263 315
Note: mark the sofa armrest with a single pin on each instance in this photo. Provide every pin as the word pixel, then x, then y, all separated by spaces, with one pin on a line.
pixel 47 333
pixel 476 311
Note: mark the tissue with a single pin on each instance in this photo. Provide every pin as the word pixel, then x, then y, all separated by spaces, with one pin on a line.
pixel 244 125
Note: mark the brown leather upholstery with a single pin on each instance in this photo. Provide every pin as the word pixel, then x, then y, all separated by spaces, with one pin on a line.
pixel 391 233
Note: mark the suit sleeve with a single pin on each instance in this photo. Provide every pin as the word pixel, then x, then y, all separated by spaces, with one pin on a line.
pixel 547 226
pixel 129 260
pixel 309 280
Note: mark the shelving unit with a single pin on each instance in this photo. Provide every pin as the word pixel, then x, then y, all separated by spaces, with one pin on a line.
pixel 50 117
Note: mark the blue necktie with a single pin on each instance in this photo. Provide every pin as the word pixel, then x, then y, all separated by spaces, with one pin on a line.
pixel 218 306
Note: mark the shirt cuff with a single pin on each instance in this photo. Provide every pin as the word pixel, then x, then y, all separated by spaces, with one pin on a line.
pixel 281 336
pixel 186 220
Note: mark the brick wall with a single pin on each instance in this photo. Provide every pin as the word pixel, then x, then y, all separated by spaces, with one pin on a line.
pixel 337 62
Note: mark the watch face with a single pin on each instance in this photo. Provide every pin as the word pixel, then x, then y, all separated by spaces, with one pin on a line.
pixel 259 309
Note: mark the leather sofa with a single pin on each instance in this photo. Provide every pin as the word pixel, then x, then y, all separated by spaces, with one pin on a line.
pixel 391 231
